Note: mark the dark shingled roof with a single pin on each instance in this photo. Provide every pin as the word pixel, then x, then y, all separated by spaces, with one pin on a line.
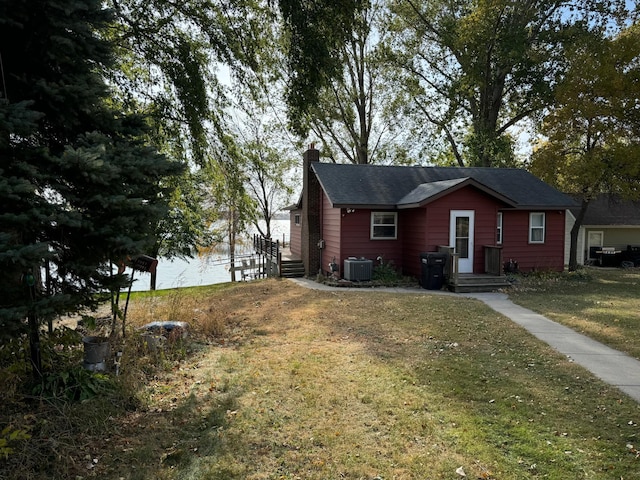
pixel 378 186
pixel 611 210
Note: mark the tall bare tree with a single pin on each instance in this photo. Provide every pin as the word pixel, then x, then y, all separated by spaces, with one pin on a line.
pixel 355 118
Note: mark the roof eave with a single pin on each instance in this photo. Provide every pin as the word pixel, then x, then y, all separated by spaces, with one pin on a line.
pixel 407 206
pixel 611 225
pixel 363 206
pixel 543 207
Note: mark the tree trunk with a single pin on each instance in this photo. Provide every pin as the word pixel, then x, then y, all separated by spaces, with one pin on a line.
pixel 48 292
pixel 154 275
pixel 232 244
pixel 575 230
pixel 34 329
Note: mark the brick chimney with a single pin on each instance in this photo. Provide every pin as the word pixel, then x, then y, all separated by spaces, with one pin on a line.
pixel 310 213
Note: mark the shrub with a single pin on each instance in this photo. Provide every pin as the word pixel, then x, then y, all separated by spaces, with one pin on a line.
pixel 385 273
pixel 72 384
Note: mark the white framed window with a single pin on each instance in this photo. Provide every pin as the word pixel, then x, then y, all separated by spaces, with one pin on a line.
pixel 384 225
pixel 499 229
pixel 296 219
pixel 536 227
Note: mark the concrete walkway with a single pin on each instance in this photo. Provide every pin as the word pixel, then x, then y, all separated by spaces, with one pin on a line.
pixel 609 365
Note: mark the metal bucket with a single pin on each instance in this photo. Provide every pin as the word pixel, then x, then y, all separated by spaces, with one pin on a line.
pixel 96 353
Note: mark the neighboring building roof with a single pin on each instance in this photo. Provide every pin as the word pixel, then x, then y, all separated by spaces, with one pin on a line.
pixel 611 210
pixel 378 186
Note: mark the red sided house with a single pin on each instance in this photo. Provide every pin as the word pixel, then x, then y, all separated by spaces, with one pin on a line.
pixel 351 217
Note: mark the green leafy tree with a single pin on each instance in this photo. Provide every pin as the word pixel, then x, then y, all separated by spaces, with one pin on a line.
pixel 172 57
pixel 264 156
pixel 591 137
pixel 186 228
pixel 167 53
pixel 475 69
pixel 79 187
pixel 315 33
pixel 236 208
pixel 170 51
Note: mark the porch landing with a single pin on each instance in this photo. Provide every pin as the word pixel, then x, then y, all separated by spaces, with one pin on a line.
pixel 474 282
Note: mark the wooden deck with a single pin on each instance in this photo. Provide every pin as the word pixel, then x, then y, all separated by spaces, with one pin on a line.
pixel 278 259
pixel 287 255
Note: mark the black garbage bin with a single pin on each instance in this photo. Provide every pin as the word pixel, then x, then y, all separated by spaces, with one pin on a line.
pixel 433 263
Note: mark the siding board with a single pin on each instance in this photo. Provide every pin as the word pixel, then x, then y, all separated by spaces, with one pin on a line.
pixel 533 256
pixel 413 224
pixel 356 241
pixel 295 233
pixel 485 211
pixel 331 228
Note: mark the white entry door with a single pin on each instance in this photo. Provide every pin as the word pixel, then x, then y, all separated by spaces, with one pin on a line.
pixel 461 229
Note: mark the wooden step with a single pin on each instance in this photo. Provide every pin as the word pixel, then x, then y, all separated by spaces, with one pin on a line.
pixel 471 283
pixel 291 269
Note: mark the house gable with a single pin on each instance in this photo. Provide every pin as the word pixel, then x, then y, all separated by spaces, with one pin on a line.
pixel 428 192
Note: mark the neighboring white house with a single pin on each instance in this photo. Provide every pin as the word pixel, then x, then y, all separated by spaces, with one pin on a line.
pixel 610 232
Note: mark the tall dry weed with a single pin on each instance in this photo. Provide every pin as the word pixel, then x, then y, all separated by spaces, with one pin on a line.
pixel 203 319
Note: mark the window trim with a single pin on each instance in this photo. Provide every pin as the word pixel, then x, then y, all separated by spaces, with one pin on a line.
pixel 499 229
pixel 296 219
pixel 533 228
pixel 373 225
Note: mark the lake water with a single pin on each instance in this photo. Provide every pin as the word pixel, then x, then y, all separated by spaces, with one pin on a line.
pixel 202 270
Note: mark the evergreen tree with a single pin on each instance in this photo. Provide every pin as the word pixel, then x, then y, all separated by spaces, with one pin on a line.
pixel 79 186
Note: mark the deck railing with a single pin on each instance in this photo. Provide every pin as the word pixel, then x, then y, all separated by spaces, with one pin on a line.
pixel 451 268
pixel 270 250
pixel 493 260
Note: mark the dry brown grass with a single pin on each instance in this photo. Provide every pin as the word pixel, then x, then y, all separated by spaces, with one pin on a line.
pixel 358 385
pixel 281 382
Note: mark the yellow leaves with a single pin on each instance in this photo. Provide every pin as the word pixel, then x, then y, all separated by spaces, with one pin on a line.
pixel 10 436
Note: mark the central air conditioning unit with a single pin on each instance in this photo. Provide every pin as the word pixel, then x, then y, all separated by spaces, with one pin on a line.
pixel 358 269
